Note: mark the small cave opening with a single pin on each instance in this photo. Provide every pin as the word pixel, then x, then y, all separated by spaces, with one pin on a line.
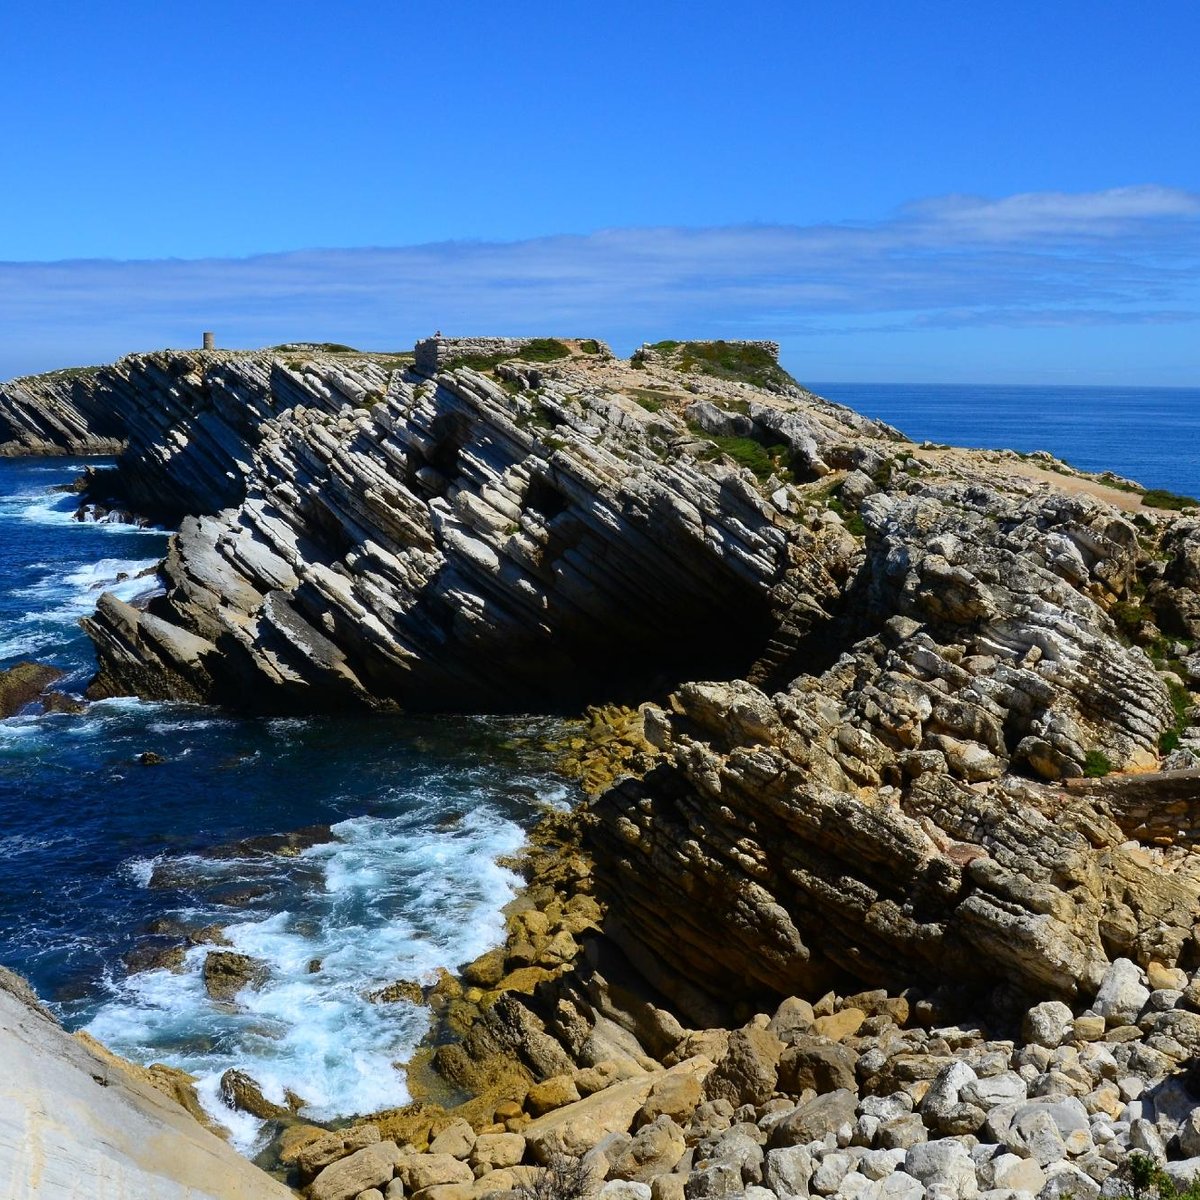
pixel 544 498
pixel 451 431
pixel 429 471
pixel 714 630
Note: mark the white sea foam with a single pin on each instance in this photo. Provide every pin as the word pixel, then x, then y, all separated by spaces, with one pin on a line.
pixel 140 870
pixel 42 507
pixel 395 898
pixel 59 598
pixel 21 843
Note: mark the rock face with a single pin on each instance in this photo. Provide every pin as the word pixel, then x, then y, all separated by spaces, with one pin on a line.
pixel 73 1124
pixel 65 412
pixel 23 683
pixel 881 821
pixel 359 536
pixel 916 646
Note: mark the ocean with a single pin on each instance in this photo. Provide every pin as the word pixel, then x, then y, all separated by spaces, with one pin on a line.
pixel 1150 435
pixel 103 859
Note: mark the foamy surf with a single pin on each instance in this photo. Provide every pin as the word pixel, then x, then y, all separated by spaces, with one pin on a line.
pixel 59 595
pixel 420 811
pixel 392 898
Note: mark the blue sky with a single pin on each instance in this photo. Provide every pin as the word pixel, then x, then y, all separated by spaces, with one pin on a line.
pixel 896 190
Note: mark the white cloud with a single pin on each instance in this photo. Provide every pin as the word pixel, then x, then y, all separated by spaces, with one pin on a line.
pixel 1123 256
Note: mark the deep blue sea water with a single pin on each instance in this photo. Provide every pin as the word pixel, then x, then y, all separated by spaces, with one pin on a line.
pixel 1151 435
pixel 96 848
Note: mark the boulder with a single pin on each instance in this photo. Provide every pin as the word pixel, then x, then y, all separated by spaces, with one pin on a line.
pixel 318 1152
pixel 226 972
pixel 23 683
pixel 550 1094
pixel 575 1128
pixel 371 1167
pixel 747 1072
pixel 1122 995
pixel 788 1170
pixel 817 1064
pixel 1048 1024
pixel 239 1091
pixel 655 1150
pixel 812 1121
pixel 420 1171
pixel 457 1140
pixel 944 1165
pixel 492 1150
pixel 793 1017
pixel 672 1095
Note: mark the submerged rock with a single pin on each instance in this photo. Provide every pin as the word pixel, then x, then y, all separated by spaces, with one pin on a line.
pixel 226 972
pixel 24 683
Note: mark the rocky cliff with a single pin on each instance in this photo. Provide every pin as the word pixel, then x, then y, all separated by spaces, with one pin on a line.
pixel 914 646
pixel 535 536
pixel 65 412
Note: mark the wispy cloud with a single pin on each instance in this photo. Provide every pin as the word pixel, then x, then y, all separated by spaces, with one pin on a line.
pixel 1126 256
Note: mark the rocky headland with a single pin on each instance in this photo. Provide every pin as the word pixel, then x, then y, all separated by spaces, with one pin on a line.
pixel 887 883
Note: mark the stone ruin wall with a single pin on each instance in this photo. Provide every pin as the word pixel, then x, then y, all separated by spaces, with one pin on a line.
pixel 434 353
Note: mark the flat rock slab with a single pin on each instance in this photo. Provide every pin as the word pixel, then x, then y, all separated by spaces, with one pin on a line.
pixel 72 1124
pixel 577 1127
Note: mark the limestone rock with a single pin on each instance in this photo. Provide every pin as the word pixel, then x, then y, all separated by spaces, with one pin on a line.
pixel 809 1122
pixel 23 683
pixel 747 1072
pixel 944 1165
pixel 457 1140
pixel 655 1150
pixel 420 1171
pixel 577 1127
pixel 73 1122
pixel 1122 995
pixel 494 1150
pixel 369 1167
pixel 1048 1024
pixel 822 1066
pixel 226 972
pixel 238 1090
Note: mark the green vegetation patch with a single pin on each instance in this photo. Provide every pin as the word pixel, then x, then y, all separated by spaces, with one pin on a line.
pixel 1130 616
pixel 589 346
pixel 1158 498
pixel 544 350
pixel 539 350
pixel 854 523
pixel 74 374
pixel 727 360
pixel 1181 701
pixel 1148 1181
pixel 650 399
pixel 1096 764
pixel 762 461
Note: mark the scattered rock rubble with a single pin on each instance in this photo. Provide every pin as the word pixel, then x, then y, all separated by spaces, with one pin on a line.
pixel 851 1097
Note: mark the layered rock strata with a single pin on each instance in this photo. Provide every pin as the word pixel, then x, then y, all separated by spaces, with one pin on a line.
pixel 65 412
pixel 469 542
pixel 915 648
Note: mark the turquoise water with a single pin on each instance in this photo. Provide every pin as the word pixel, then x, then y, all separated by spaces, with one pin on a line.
pixel 1151 435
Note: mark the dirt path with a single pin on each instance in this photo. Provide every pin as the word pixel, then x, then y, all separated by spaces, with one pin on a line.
pixel 974 460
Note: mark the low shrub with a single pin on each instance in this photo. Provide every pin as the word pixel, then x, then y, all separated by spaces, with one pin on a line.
pixel 1158 498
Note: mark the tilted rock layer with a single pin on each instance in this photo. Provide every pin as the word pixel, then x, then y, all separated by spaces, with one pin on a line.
pixel 918 645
